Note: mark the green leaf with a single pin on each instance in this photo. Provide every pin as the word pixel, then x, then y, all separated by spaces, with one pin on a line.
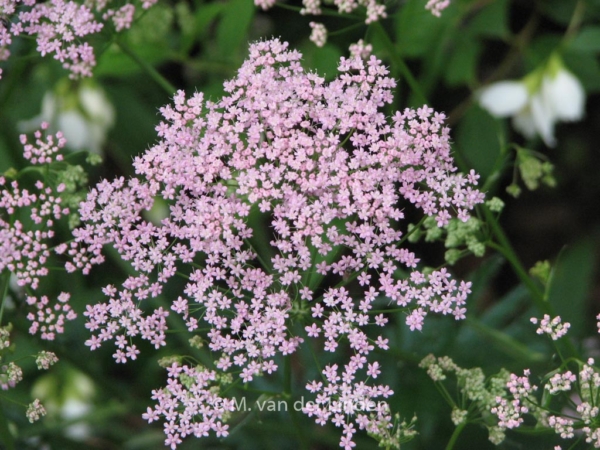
pixel 541 49
pixel 491 21
pixel 588 40
pixel 560 11
pixel 324 60
pixel 477 139
pixel 6 159
pixel 205 15
pixel 417 30
pixel 261 242
pixel 115 62
pixel 463 62
pixel 482 277
pixel 586 68
pixel 571 283
pixel 6 436
pixel 505 343
pixel 233 27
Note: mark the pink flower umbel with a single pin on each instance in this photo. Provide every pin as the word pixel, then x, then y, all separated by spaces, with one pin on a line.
pixel 59 27
pixel 318 174
pixel 27 223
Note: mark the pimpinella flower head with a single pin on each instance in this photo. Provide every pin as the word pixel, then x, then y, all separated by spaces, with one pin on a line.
pixel 60 27
pixel 328 175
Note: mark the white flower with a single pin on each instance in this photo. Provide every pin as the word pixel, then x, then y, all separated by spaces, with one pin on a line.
pixel 505 98
pixel 71 403
pixel 565 96
pixel 538 101
pixel 84 116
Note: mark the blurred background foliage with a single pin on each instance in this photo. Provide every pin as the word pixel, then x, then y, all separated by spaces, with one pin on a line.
pixel 442 62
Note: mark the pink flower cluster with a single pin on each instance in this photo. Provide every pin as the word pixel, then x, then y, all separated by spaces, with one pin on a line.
pixel 324 175
pixel 374 12
pixel 582 389
pixel 510 412
pixel 437 6
pixel 59 27
pixel 189 405
pixel 24 244
pixel 552 327
pixel 49 319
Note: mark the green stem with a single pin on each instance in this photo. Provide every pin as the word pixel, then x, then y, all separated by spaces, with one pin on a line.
pixel 400 64
pixel 505 248
pixel 304 445
pixel 6 436
pixel 162 81
pixel 507 251
pixel 4 283
pixel 287 376
pixel 455 435
pixel 574 23
pixel 324 12
pixel 287 393
pixel 346 30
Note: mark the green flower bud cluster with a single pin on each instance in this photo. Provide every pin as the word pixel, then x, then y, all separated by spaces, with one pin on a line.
pixel 401 433
pixel 74 178
pixel 456 235
pixel 533 170
pixel 541 271
pixel 168 361
pixel 476 394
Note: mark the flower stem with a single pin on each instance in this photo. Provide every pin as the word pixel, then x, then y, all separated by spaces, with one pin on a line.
pixel 575 22
pixel 287 393
pixel 400 64
pixel 455 435
pixel 162 81
pixel 4 283
pixel 6 436
pixel 505 248
pixel 324 12
pixel 287 376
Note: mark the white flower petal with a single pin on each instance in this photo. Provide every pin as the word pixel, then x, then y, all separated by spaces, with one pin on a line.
pixel 524 124
pixel 97 106
pixel 504 99
pixel 543 118
pixel 75 129
pixel 49 107
pixel 565 95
